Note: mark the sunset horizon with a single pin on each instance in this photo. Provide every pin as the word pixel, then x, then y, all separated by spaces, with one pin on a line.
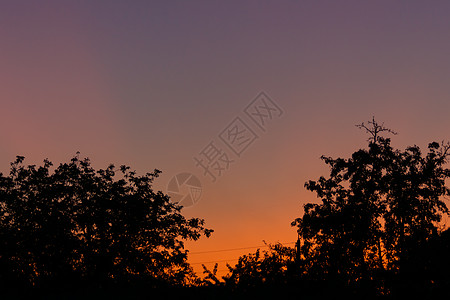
pixel 234 102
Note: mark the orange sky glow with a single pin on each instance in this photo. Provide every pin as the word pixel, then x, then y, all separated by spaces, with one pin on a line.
pixel 151 84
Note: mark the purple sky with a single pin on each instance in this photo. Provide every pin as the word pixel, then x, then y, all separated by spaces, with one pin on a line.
pixel 150 84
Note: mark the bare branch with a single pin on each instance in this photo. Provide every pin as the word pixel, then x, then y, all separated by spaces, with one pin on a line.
pixel 374 129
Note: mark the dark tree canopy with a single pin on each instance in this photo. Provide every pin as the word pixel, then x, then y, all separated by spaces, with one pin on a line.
pixel 376 208
pixel 76 224
pixel 376 231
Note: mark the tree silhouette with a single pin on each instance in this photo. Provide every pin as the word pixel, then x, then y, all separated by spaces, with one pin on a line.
pixel 376 231
pixel 376 208
pixel 75 224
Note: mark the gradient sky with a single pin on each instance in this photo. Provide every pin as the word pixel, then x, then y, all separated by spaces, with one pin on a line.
pixel 149 84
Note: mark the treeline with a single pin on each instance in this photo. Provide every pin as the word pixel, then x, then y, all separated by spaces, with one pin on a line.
pixel 376 231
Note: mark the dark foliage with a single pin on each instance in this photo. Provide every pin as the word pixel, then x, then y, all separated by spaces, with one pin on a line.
pixel 376 232
pixel 76 227
pixel 379 210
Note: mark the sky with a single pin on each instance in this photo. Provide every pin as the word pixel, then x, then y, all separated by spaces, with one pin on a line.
pixel 151 84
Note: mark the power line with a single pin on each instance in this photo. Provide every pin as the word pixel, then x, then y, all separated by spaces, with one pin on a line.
pixel 234 249
pixel 217 261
